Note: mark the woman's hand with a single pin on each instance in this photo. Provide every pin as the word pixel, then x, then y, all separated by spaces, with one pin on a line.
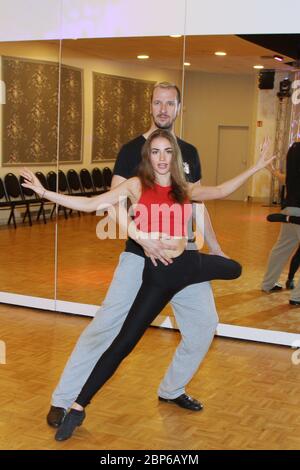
pixel 32 182
pixel 264 160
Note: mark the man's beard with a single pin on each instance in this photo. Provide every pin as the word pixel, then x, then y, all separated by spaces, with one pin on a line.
pixel 168 125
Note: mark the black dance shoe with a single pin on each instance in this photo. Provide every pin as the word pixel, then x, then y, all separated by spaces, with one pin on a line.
pixel 276 217
pixel 295 302
pixel 56 416
pixel 275 288
pixel 73 419
pixel 184 401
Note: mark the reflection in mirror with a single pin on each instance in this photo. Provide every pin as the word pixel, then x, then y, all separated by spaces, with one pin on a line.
pixel 106 90
pixel 229 108
pixel 29 115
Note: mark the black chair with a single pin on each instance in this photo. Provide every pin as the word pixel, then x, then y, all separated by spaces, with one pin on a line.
pixel 52 183
pixel 5 204
pixel 74 185
pixel 98 181
pixel 31 197
pixel 15 196
pixel 63 186
pixel 87 182
pixel 42 178
pixel 107 176
pixel 52 180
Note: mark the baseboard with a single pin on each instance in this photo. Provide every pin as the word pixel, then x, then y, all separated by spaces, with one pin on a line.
pixel 259 200
pixel 224 330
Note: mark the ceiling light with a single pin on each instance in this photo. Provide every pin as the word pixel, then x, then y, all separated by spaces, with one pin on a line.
pixel 278 57
pixel 258 66
pixel 220 53
pixel 187 64
pixel 143 56
pixel 175 35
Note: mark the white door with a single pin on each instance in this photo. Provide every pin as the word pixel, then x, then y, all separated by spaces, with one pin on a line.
pixel 232 156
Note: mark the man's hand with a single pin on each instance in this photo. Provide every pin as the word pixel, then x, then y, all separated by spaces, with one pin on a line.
pixel 155 249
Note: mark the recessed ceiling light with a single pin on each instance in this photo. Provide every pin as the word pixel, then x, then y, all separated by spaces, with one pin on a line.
pixel 175 35
pixel 220 53
pixel 187 64
pixel 143 56
pixel 258 66
pixel 278 57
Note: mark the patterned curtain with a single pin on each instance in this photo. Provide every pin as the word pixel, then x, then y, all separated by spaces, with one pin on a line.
pixel 121 112
pixel 29 117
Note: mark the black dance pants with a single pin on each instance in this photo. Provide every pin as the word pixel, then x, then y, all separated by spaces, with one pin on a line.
pixel 160 283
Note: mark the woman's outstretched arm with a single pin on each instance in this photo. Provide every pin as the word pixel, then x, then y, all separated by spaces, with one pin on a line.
pixel 84 204
pixel 205 193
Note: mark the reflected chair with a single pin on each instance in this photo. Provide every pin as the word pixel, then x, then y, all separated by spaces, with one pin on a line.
pixel 31 197
pixel 52 183
pixel 74 185
pixel 107 177
pixel 87 182
pixel 98 181
pixel 5 204
pixel 42 178
pixel 15 195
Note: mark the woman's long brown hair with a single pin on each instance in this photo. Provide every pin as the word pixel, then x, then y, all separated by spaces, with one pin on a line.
pixel 146 173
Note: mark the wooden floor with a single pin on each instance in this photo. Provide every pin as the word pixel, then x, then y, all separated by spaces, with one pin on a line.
pixel 250 392
pixel 86 264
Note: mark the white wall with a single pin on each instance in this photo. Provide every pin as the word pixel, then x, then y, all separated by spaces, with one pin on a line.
pixel 48 19
pixel 212 100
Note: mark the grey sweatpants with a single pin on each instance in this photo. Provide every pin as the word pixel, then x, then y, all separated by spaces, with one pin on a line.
pixel 287 242
pixel 195 313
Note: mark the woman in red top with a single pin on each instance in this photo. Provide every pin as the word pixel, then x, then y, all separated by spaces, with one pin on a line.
pixel 161 199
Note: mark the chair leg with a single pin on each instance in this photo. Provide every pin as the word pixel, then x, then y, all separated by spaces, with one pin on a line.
pixel 65 212
pixel 12 216
pixel 52 211
pixel 44 215
pixel 29 215
pixel 39 212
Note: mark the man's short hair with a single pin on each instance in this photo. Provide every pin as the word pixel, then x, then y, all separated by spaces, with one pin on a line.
pixel 167 85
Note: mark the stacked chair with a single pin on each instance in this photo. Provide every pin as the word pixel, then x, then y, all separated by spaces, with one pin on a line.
pixel 19 197
pixel 107 177
pixel 13 195
pixel 5 204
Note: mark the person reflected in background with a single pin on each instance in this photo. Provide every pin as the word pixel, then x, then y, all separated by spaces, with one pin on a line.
pixel 289 237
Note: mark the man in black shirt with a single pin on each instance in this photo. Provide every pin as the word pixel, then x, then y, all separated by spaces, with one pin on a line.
pixel 194 307
pixel 289 236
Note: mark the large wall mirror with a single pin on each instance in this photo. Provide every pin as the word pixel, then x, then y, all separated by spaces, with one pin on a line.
pixel 112 81
pixel 29 137
pixel 225 115
pixel 236 92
